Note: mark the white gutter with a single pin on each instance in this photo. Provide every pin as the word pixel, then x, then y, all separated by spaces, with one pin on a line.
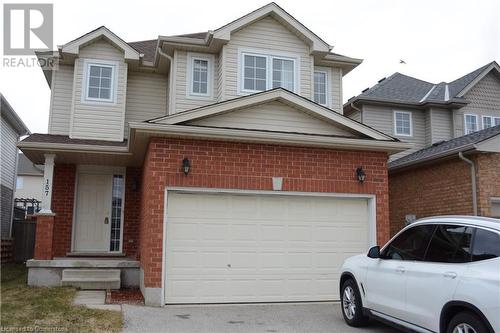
pixel 359 110
pixel 473 179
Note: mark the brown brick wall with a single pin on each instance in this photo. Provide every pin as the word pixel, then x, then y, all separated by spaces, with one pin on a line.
pixel 438 189
pixel 131 213
pixel 249 166
pixel 488 181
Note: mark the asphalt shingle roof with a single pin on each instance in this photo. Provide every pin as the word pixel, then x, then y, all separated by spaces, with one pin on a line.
pixel 26 167
pixel 406 89
pixel 445 146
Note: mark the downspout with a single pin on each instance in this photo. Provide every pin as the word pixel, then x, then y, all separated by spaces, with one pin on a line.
pixel 170 78
pixel 473 178
pixel 359 110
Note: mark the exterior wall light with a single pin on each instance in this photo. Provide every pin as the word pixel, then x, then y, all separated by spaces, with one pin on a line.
pixel 186 165
pixel 360 174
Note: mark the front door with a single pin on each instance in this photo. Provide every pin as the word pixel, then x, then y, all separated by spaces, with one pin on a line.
pixel 93 213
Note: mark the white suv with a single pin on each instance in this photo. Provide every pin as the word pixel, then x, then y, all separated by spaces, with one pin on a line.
pixel 439 274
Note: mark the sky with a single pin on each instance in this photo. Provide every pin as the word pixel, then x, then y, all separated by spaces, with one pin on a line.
pixel 439 40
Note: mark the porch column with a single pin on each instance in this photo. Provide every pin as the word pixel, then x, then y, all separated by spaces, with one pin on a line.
pixel 48 174
pixel 45 217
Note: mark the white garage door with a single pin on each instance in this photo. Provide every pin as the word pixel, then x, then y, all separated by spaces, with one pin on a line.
pixel 223 248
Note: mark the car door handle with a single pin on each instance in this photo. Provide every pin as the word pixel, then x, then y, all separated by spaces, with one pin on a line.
pixel 400 269
pixel 450 275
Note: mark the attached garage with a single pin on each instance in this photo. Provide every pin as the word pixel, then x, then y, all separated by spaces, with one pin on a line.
pixel 228 247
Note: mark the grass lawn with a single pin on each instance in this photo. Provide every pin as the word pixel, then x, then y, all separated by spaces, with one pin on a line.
pixel 25 308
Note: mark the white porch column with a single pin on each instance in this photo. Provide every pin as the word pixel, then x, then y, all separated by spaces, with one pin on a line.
pixel 48 174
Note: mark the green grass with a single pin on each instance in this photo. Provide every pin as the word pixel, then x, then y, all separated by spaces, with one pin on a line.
pixel 49 309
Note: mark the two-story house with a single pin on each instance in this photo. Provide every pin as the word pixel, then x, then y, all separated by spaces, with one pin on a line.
pixel 453 167
pixel 208 167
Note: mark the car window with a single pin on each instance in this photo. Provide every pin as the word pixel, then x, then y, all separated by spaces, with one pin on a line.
pixel 486 245
pixel 410 244
pixel 450 243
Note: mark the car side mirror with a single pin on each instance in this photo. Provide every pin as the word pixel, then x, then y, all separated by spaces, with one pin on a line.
pixel 374 252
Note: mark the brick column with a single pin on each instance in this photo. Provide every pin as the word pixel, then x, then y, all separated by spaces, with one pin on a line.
pixel 44 236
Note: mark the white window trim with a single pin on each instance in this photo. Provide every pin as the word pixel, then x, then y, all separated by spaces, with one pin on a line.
pixel 465 122
pixel 270 55
pixel 491 118
pixel 395 127
pixel 327 86
pixel 191 57
pixel 85 88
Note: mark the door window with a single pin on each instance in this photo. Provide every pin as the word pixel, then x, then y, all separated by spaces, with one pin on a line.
pixel 486 245
pixel 409 245
pixel 450 243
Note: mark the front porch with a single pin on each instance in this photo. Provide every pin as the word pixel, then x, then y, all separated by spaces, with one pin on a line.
pixel 84 272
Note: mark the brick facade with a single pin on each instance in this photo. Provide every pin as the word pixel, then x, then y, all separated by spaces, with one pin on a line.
pixel 488 181
pixel 249 166
pixel 44 237
pixel 443 188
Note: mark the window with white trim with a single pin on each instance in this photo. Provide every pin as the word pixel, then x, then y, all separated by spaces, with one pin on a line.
pixel 470 123
pixel 100 82
pixel 402 123
pixel 260 72
pixel 487 122
pixel 200 75
pixel 320 87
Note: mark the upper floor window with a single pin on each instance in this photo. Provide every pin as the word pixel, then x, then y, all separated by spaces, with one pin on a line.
pixel 261 72
pixel 99 82
pixel 320 87
pixel 471 124
pixel 489 121
pixel 402 123
pixel 200 75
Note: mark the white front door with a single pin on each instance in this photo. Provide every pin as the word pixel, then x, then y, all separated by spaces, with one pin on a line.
pixel 260 248
pixel 93 213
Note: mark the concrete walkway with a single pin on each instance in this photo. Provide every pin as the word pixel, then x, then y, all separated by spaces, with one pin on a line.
pixel 94 299
pixel 286 318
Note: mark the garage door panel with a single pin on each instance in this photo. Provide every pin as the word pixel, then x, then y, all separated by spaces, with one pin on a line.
pixel 251 248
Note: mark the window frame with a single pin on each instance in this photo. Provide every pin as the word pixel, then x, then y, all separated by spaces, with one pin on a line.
pixel 191 57
pixel 19 182
pixel 327 78
pixel 465 122
pixel 492 119
pixel 395 112
pixel 269 69
pixel 88 63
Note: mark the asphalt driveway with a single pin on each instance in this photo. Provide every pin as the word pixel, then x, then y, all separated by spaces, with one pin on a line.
pixel 284 318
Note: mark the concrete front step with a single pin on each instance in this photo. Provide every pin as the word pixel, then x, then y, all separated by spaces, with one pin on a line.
pixel 96 279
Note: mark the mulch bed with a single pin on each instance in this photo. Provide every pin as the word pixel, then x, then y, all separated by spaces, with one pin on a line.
pixel 124 296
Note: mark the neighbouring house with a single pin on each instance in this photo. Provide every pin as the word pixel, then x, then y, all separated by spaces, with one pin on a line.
pixel 28 192
pixel 12 129
pixel 458 176
pixel 211 167
pixel 425 113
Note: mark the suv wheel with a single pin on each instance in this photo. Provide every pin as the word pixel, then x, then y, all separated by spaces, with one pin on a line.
pixel 352 308
pixel 466 322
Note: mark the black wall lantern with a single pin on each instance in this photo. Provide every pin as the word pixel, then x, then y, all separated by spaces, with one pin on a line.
pixel 360 174
pixel 186 165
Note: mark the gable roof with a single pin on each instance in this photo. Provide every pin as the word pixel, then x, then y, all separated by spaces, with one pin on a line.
pixel 404 89
pixel 279 94
pixel 445 148
pixel 281 15
pixel 73 47
pixel 8 113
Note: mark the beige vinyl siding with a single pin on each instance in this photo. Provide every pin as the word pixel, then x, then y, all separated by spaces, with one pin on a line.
pixel 382 119
pixel 336 90
pixel 32 187
pixel 484 100
pixel 268 36
pixel 146 97
pixel 99 120
pixel 183 101
pixel 221 94
pixel 428 127
pixel 8 137
pixel 355 115
pixel 61 98
pixel 273 116
pixel 441 125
